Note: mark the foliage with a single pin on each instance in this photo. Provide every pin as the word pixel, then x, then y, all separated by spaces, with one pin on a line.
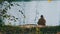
pixel 1 21
pixel 4 12
pixel 7 6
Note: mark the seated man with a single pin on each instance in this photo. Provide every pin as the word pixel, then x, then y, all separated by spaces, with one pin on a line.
pixel 41 21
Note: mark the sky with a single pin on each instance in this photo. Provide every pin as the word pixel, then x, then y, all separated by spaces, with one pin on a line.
pixel 50 11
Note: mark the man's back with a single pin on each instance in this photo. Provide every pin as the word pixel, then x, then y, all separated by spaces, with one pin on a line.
pixel 41 21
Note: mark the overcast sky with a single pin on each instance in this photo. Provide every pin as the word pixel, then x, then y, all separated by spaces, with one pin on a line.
pixel 50 10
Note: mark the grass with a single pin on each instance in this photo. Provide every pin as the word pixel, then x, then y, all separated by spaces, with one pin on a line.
pixel 18 30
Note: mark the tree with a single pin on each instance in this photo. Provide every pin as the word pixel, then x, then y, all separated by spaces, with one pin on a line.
pixel 7 5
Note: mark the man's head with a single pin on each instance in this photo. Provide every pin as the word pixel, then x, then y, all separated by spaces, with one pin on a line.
pixel 41 15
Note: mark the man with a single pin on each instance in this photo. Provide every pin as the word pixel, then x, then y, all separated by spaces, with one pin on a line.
pixel 41 21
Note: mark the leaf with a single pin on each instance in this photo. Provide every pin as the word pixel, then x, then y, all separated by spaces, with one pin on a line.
pixel 11 4
pixel 17 4
pixel 13 16
pixel 9 23
pixel 0 20
pixel 11 19
pixel 16 18
pixel 19 11
pixel 9 7
pixel 8 15
pixel 5 16
pixel 4 11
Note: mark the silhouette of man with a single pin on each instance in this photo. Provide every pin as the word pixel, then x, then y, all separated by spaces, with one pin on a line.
pixel 41 21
